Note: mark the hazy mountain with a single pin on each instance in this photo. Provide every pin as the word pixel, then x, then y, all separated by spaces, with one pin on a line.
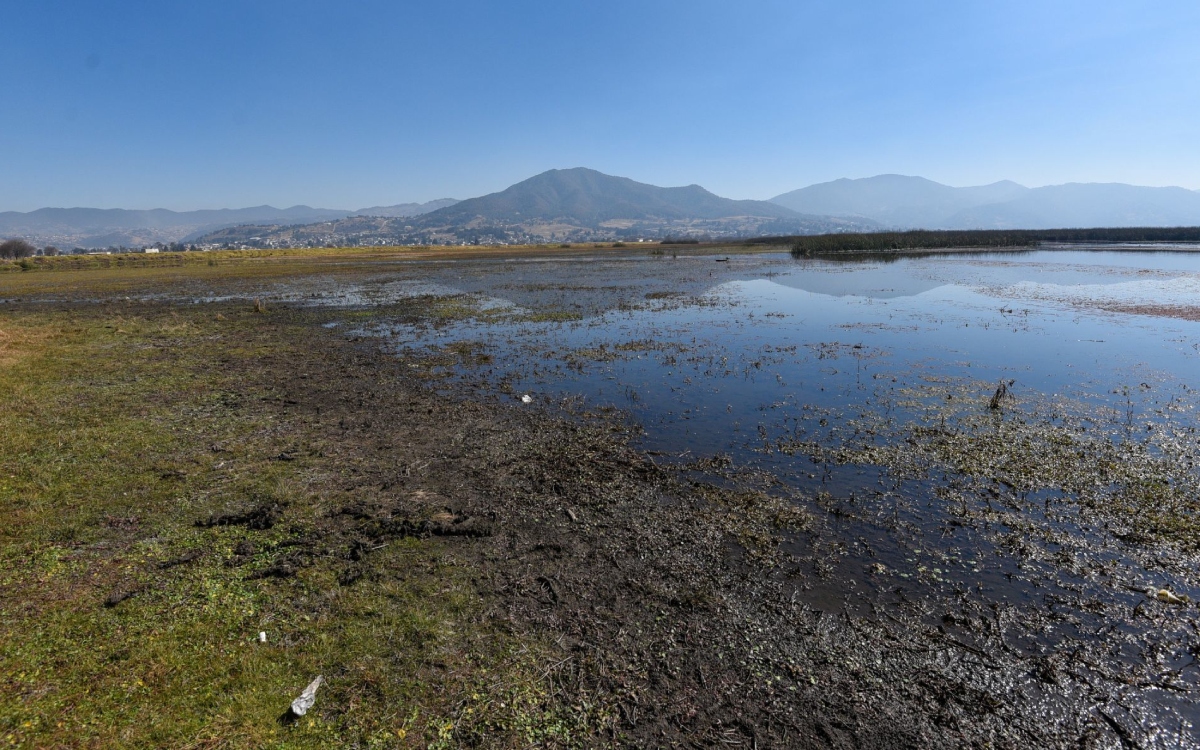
pixel 1086 205
pixel 562 205
pixel 97 227
pixel 915 202
pixel 896 200
pixel 406 209
pixel 120 218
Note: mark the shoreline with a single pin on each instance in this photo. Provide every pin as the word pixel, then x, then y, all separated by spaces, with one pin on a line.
pixel 300 257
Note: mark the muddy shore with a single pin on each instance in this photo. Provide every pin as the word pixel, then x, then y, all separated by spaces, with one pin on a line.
pixel 675 610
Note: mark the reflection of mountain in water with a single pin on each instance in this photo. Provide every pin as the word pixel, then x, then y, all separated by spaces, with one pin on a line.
pixel 859 281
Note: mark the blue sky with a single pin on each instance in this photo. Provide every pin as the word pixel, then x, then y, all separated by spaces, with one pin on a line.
pixel 357 103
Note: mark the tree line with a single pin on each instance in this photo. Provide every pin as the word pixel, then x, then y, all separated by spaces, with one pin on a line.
pixel 921 239
pixel 15 249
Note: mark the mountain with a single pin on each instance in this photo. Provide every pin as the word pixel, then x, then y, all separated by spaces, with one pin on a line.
pixel 915 202
pixel 97 227
pixel 897 200
pixel 590 198
pixel 580 205
pixel 406 209
pixel 561 205
pixel 1087 205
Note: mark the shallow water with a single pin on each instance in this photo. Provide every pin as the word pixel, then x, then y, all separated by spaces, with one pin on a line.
pixel 764 331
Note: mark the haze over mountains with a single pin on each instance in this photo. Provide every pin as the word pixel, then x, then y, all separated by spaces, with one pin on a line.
pixel 897 201
pixel 575 205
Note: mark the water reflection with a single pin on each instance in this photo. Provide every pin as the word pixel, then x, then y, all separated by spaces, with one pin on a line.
pixel 775 363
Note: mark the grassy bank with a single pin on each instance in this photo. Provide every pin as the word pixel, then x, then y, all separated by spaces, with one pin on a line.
pixel 124 623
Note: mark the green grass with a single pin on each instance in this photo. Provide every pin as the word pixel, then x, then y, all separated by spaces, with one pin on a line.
pixel 106 423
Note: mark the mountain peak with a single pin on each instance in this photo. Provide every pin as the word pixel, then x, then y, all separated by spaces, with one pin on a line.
pixel 589 197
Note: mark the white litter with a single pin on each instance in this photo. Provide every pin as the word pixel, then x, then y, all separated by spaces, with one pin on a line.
pixel 306 700
pixel 1170 597
pixel 262 636
pixel 527 399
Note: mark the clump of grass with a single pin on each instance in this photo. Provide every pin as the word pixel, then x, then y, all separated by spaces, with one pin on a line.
pixel 549 316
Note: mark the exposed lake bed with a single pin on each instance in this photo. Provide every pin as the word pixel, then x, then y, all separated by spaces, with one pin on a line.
pixel 1060 519
pixel 905 501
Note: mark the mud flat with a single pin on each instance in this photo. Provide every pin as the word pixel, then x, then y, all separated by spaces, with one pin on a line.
pixel 762 502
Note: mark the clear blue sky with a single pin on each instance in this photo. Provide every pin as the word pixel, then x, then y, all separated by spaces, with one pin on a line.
pixel 141 104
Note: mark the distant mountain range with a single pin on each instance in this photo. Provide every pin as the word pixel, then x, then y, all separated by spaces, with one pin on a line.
pixel 406 209
pixel 576 205
pixel 97 227
pixel 561 205
pixel 897 201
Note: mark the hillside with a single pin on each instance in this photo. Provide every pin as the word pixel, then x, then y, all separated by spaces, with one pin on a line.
pixel 590 198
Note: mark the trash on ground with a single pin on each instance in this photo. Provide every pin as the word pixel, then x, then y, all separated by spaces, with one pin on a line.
pixel 1168 596
pixel 306 700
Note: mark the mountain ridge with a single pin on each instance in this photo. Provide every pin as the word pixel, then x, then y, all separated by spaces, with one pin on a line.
pixel 908 202
pixel 1086 204
pixel 581 204
pixel 102 227
pixel 559 205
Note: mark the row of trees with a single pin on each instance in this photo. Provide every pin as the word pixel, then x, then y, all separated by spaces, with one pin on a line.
pixel 14 249
pixel 983 238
